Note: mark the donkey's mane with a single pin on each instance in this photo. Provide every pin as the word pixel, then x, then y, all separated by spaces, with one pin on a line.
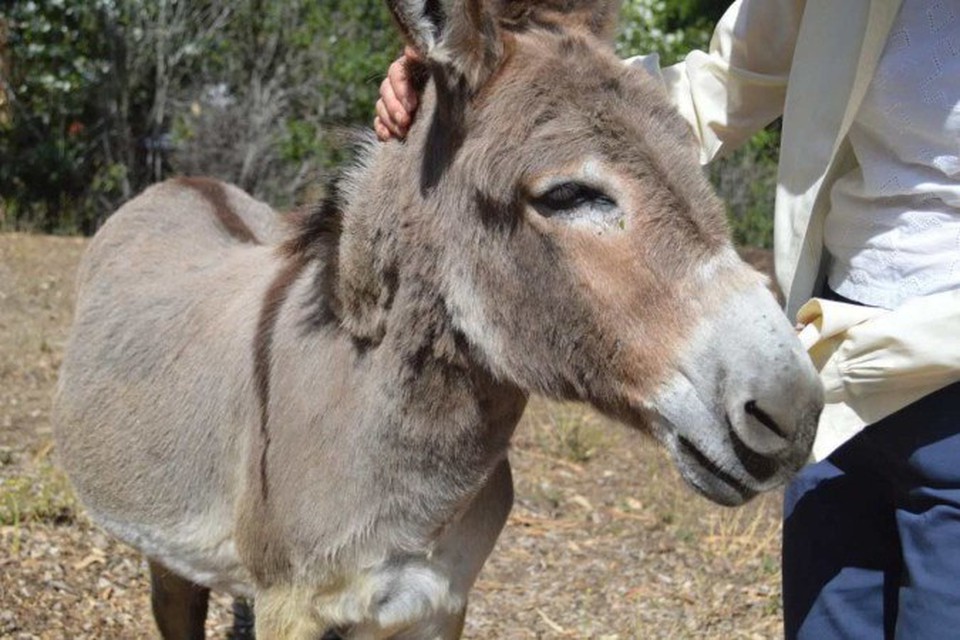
pixel 317 227
pixel 317 231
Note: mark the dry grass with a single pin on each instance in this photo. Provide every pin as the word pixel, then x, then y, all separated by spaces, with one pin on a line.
pixel 39 494
pixel 604 541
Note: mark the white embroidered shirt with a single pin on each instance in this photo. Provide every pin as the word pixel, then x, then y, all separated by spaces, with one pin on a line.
pixel 893 230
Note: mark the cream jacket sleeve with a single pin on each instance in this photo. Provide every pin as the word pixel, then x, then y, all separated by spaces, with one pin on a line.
pixel 737 87
pixel 874 362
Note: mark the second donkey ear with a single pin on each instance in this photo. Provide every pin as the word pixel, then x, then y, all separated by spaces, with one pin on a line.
pixel 461 34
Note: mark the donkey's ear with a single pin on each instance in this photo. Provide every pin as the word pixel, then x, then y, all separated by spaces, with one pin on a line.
pixel 466 35
pixel 472 43
pixel 457 34
pixel 420 21
pixel 602 18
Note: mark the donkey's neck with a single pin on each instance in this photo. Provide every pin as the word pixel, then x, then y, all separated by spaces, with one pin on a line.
pixel 378 281
pixel 426 422
pixel 440 379
pixel 361 374
pixel 437 374
pixel 418 380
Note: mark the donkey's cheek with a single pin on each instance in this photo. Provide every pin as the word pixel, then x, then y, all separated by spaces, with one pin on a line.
pixel 641 315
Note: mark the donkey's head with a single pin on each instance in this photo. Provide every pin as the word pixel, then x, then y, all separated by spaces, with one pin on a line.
pixel 577 246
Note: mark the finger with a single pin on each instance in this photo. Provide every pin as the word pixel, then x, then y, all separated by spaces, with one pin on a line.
pixel 412 54
pixel 399 80
pixel 387 121
pixel 383 134
pixel 384 117
pixel 397 111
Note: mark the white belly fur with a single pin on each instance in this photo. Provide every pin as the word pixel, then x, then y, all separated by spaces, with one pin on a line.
pixel 199 550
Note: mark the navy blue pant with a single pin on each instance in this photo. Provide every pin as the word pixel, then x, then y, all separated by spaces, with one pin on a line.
pixel 871 536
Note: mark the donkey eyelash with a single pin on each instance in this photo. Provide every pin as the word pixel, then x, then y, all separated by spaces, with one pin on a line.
pixel 570 196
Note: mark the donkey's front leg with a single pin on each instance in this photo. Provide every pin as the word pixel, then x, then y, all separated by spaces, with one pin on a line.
pixel 287 613
pixel 464 548
pixel 179 606
pixel 242 620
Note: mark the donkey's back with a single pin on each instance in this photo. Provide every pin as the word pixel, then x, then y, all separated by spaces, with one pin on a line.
pixel 193 223
pixel 155 390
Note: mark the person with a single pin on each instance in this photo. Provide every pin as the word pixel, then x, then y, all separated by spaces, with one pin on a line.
pixel 867 218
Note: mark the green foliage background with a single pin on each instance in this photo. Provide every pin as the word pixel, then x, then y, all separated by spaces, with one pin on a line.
pixel 98 99
pixel 103 97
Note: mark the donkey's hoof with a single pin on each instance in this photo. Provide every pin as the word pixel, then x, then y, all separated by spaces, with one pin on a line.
pixel 243 622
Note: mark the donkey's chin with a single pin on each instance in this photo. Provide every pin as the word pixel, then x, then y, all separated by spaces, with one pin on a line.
pixel 724 470
pixel 708 477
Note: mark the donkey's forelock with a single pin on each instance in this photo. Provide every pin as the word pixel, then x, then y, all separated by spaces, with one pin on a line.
pixel 599 17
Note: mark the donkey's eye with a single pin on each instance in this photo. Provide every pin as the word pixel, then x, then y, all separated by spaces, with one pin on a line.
pixel 568 197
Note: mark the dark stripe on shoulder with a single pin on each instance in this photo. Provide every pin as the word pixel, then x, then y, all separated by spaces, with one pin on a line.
pixel 273 301
pixel 216 196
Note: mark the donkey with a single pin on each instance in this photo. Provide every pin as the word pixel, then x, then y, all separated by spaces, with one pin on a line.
pixel 316 415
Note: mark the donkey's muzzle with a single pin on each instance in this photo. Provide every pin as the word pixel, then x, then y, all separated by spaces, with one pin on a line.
pixel 740 415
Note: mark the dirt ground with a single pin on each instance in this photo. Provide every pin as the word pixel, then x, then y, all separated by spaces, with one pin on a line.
pixel 604 541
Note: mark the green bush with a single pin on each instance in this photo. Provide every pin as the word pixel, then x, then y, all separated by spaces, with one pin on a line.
pixel 48 145
pixel 746 181
pixel 108 96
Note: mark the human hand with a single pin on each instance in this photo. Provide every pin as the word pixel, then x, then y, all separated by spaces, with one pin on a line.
pixel 398 101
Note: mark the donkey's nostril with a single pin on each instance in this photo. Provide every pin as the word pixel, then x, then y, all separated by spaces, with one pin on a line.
pixel 763 418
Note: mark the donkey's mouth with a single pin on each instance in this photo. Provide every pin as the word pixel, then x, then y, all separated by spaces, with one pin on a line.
pixel 708 478
pixel 705 449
